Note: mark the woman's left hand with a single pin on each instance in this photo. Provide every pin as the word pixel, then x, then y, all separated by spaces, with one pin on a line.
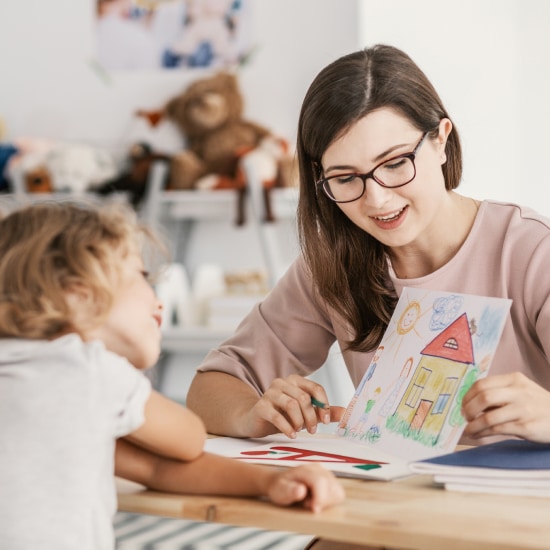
pixel 507 404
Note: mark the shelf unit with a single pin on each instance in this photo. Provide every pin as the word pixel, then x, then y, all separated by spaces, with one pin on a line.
pixel 192 339
pixel 184 209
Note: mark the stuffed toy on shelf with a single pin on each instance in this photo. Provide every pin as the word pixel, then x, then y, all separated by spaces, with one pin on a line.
pixel 133 179
pixel 218 139
pixel 45 166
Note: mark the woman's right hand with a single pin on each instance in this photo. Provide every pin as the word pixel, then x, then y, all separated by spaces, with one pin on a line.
pixel 286 407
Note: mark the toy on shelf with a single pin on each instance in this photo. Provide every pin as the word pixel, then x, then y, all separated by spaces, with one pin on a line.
pixel 77 168
pixel 44 166
pixel 133 179
pixel 221 146
pixel 26 163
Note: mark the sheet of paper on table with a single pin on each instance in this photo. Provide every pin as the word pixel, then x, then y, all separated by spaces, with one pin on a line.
pixel 344 458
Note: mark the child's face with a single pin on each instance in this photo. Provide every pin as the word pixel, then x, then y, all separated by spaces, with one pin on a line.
pixel 132 328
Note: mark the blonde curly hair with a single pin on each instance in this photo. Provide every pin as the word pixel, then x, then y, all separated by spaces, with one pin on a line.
pixel 50 248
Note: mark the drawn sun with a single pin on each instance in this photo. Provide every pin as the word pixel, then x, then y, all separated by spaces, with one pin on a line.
pixel 406 323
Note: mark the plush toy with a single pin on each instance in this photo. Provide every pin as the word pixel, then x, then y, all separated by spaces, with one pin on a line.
pixel 134 177
pixel 209 114
pixel 62 166
pixel 25 170
pixel 78 168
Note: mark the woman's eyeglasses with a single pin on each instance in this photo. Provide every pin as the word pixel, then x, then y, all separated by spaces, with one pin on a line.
pixel 392 173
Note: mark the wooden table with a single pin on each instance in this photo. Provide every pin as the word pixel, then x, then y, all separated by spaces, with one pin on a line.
pixel 405 514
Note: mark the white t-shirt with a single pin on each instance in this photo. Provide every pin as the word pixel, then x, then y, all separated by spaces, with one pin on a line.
pixel 62 405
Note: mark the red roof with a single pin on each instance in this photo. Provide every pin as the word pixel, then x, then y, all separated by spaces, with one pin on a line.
pixel 454 343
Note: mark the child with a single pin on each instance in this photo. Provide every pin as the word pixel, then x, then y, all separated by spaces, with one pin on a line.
pixel 78 321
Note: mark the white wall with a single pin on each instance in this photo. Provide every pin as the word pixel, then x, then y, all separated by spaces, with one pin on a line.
pixel 489 61
pixel 51 89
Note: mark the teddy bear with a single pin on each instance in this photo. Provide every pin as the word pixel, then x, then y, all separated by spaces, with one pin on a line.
pixel 209 115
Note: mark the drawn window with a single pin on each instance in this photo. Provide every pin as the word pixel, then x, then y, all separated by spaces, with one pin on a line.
pixel 418 387
pixel 451 343
pixel 446 391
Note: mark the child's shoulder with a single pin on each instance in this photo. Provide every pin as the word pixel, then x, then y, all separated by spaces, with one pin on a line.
pixel 93 356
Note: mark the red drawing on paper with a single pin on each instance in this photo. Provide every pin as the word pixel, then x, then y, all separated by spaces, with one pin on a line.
pixel 280 452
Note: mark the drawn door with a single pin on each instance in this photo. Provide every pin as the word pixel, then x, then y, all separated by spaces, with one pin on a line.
pixel 421 414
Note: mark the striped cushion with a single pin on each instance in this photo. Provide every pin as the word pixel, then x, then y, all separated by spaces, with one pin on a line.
pixel 144 532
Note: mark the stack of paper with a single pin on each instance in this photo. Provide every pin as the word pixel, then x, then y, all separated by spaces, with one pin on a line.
pixel 511 467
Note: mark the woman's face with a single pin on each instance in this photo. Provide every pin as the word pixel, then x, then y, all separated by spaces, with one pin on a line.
pixel 401 216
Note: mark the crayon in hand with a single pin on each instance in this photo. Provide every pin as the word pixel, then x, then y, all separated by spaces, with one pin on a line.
pixel 317 403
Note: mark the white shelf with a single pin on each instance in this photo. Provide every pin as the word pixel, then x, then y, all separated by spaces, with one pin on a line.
pixel 218 204
pixel 193 339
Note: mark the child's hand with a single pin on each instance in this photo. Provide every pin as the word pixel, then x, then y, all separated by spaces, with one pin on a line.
pixel 312 485
pixel 507 404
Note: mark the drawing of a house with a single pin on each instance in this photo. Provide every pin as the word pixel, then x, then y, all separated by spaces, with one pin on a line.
pixel 430 394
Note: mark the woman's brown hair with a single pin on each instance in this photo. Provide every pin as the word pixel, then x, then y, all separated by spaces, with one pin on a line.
pixel 348 266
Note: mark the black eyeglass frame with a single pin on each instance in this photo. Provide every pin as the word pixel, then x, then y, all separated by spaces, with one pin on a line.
pixel 364 177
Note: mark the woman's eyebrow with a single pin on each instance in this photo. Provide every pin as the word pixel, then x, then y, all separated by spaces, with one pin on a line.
pixel 389 151
pixel 375 161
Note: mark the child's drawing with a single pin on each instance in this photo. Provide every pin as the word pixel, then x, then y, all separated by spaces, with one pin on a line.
pixel 409 400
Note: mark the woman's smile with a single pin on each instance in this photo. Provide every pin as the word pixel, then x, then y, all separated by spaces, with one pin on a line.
pixel 390 220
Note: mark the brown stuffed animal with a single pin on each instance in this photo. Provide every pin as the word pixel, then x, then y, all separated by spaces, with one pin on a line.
pixel 209 114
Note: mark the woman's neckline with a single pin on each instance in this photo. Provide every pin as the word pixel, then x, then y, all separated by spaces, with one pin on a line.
pixel 476 207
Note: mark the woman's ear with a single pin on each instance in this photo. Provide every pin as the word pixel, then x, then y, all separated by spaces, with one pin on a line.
pixel 445 128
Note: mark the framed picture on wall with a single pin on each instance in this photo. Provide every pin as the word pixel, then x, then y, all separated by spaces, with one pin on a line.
pixel 171 34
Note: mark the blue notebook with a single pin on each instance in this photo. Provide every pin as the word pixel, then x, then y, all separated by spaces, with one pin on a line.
pixel 512 467
pixel 511 454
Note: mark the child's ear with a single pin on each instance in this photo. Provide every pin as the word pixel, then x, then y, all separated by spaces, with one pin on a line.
pixel 80 302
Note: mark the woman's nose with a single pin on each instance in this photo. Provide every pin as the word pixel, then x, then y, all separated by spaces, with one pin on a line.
pixel 376 194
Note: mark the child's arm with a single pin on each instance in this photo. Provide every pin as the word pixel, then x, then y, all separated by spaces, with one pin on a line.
pixel 312 485
pixel 170 429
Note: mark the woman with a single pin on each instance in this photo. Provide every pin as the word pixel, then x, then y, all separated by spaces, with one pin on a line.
pixel 379 160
